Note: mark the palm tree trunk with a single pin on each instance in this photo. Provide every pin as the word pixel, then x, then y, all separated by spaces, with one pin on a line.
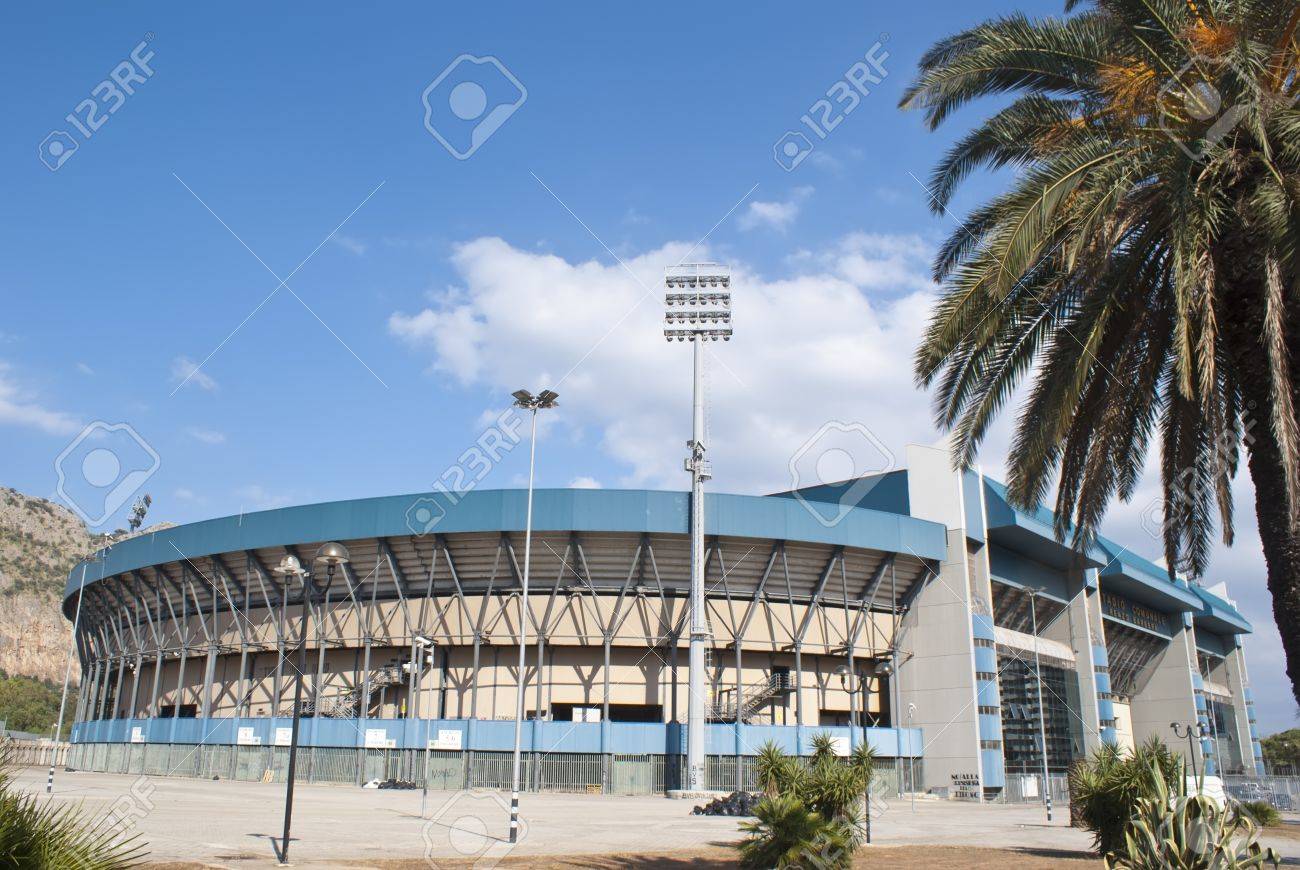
pixel 1243 326
pixel 1281 544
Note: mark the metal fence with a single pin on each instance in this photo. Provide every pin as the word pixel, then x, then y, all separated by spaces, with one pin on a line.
pixel 1283 792
pixel 1027 788
pixel 550 772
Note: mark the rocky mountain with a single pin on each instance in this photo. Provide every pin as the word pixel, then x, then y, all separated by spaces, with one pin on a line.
pixel 40 541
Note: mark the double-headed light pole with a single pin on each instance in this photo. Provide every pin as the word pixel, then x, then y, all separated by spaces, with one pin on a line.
pixel 697 309
pixel 529 402
pixel 331 555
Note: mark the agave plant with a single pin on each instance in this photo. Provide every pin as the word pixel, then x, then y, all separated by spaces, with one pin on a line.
pixel 38 835
pixel 1172 830
pixel 786 833
pixel 1105 790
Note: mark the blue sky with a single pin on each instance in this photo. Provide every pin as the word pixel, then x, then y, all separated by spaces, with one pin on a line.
pixel 432 286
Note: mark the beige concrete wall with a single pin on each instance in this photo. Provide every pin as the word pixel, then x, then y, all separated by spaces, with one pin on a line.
pixel 569 675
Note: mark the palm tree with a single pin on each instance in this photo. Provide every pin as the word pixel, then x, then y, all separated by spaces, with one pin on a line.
pixel 1145 262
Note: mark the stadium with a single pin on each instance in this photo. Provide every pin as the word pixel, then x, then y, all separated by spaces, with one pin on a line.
pixel 909 609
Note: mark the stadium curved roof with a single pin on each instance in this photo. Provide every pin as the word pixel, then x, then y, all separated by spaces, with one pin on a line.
pixel 494 511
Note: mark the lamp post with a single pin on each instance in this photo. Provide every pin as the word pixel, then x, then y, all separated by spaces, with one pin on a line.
pixel 698 309
pixel 425 643
pixel 1192 733
pixel 331 555
pixel 1042 713
pixel 911 756
pixel 529 402
pixel 859 685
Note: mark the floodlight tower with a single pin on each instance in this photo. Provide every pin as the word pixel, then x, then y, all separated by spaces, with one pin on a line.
pixel 697 309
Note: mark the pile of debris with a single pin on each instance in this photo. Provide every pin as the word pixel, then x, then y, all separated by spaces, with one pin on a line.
pixel 390 783
pixel 738 803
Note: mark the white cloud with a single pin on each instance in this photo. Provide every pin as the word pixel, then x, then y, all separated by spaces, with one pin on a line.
pixel 350 244
pixel 184 494
pixel 85 369
pixel 259 498
pixel 776 215
pixel 584 483
pixel 833 343
pixel 19 408
pixel 207 436
pixel 186 371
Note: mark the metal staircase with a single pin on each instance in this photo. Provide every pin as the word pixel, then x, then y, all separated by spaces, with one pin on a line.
pixel 753 698
pixel 346 705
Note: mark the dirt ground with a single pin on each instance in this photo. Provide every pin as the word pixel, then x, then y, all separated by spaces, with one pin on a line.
pixel 903 857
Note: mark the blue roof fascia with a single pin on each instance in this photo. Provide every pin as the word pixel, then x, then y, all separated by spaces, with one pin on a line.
pixel 589 510
pixel 1032 532
pixel 1219 616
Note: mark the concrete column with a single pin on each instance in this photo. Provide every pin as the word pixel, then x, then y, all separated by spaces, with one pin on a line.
pixel 1170 693
pixel 1078 626
pixel 938 657
pixel 1243 708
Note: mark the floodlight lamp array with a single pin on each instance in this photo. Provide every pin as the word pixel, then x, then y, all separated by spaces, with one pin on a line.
pixel 697 303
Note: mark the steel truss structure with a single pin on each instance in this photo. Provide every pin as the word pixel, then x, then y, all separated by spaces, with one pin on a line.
pixel 169 631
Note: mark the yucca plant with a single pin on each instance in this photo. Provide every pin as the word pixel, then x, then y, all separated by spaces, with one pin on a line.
pixel 1172 831
pixel 1105 789
pixel 36 834
pixel 1144 264
pixel 772 768
pixel 817 801
pixel 786 833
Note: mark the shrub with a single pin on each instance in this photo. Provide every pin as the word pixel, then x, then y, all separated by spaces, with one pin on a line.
pixel 785 833
pixel 1105 790
pixel 811 811
pixel 39 835
pixel 1262 813
pixel 1171 830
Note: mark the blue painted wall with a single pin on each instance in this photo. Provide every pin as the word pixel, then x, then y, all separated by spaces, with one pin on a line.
pixel 617 738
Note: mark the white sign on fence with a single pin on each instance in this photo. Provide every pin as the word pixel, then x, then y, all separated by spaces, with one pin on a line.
pixel 377 738
pixel 447 739
pixel 248 737
pixel 283 736
pixel 137 734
